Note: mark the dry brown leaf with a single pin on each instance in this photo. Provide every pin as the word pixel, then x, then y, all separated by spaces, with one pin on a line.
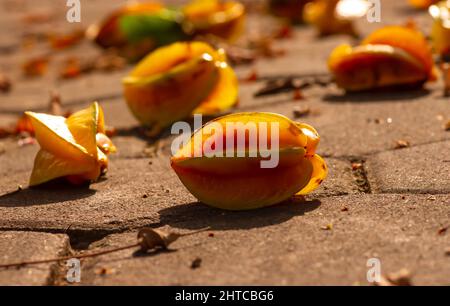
pixel 151 239
pixel 196 263
pixel 356 166
pixel 71 68
pixel 447 126
pixel 298 94
pixel 443 230
pixel 104 271
pixel 402 144
pixel 74 66
pixel 6 132
pixel 5 83
pixel 400 278
pixel 36 66
pixel 63 41
pixel 252 76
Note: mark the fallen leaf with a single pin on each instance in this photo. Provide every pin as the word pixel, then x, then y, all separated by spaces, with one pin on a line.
pixel 400 278
pixel 356 166
pixel 5 83
pixel 150 239
pixel 443 230
pixel 252 76
pixel 402 144
pixel 447 126
pixel 6 132
pixel 105 271
pixel 36 66
pixel 445 67
pixel 63 41
pixel 71 68
pixel 196 263
pixel 298 95
pixel 74 66
pixel 447 252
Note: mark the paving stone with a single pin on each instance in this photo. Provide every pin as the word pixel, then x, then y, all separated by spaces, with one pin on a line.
pixel 279 245
pixel 356 125
pixel 113 204
pixel 118 201
pixel 285 245
pixel 420 169
pixel 29 246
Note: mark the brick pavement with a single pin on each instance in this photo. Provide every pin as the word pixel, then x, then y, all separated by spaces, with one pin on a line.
pixel 395 205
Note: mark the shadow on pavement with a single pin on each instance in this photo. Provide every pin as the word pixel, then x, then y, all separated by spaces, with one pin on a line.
pixel 379 96
pixel 56 193
pixel 197 216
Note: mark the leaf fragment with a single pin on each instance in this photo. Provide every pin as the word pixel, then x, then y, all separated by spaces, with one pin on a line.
pixel 150 239
pixel 400 278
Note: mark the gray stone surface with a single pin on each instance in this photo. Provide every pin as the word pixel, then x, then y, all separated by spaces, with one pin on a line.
pixel 118 202
pixel 29 246
pixel 421 169
pixel 392 208
pixel 286 245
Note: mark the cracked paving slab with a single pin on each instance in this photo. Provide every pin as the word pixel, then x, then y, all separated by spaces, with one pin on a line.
pixel 26 246
pixel 133 195
pixel 420 169
pixel 285 245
